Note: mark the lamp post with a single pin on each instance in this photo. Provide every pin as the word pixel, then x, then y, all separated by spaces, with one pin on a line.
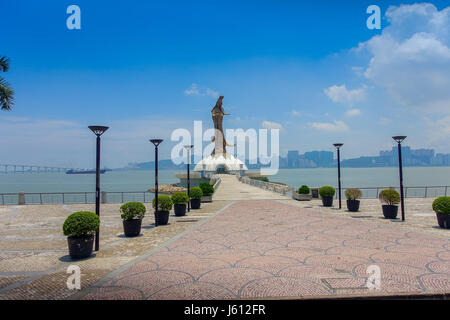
pixel 399 140
pixel 156 142
pixel 98 131
pixel 188 148
pixel 338 147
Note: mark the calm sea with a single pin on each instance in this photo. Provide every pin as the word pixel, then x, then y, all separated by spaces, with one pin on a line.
pixel 143 180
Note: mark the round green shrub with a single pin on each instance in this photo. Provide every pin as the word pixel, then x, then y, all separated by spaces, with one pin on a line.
pixel 180 197
pixel 353 194
pixel 81 224
pixel 164 203
pixel 389 197
pixel 303 190
pixel 207 189
pixel 327 191
pixel 196 193
pixel 442 205
pixel 133 210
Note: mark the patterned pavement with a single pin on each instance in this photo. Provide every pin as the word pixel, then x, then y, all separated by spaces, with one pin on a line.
pixel 269 249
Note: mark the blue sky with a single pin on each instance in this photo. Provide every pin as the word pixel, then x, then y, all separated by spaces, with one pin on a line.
pixel 312 68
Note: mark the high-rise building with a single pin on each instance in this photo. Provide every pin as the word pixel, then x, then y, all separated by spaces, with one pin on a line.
pixel 292 159
pixel 320 158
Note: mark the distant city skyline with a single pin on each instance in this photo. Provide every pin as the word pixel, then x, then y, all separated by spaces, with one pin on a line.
pixel 325 159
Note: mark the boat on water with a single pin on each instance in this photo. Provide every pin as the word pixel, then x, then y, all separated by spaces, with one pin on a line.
pixel 73 171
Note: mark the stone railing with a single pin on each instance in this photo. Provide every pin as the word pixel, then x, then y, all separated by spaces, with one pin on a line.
pixel 269 186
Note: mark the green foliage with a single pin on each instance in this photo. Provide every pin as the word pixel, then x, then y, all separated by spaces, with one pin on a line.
pixel 164 203
pixel 264 179
pixel 196 193
pixel 303 190
pixel 6 92
pixel 207 189
pixel 180 197
pixel 327 191
pixel 389 197
pixel 81 224
pixel 353 194
pixel 133 210
pixel 442 205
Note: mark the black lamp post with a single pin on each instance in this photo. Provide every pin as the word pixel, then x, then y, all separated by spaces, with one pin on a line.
pixel 98 131
pixel 399 140
pixel 338 147
pixel 188 148
pixel 156 142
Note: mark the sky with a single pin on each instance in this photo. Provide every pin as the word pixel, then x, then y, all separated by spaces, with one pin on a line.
pixel 310 68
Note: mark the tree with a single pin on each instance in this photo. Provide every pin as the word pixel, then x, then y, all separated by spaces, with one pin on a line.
pixel 6 93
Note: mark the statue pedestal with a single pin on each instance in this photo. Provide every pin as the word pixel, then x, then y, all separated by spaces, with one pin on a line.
pixel 221 163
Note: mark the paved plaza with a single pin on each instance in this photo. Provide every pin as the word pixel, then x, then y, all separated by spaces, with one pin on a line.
pixel 248 243
pixel 267 249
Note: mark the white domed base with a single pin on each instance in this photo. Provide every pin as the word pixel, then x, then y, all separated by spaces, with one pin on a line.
pixel 219 163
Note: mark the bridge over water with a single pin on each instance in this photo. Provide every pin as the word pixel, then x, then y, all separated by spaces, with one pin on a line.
pixel 20 168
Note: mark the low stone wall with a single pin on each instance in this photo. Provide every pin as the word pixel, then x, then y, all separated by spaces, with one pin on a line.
pixel 269 186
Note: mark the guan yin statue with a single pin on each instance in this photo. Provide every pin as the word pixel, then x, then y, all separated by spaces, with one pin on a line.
pixel 220 161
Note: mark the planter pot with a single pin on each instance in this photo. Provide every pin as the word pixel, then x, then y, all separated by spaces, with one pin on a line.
pixel 327 201
pixel 132 228
pixel 180 209
pixel 161 218
pixel 195 203
pixel 207 199
pixel 390 211
pixel 353 205
pixel 302 197
pixel 315 193
pixel 80 248
pixel 443 220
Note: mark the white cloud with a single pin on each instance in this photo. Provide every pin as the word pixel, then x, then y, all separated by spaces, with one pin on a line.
pixel 336 126
pixel 342 95
pixel 295 113
pixel 194 90
pixel 353 113
pixel 384 121
pixel 212 93
pixel 271 125
pixel 438 132
pixel 411 58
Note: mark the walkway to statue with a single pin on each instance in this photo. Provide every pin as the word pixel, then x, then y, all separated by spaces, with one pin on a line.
pixel 271 248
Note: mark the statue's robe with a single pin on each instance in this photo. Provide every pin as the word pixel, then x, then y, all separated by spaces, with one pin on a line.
pixel 219 138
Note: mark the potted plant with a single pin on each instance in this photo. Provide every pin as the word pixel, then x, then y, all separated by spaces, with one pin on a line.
pixel 353 195
pixel 196 197
pixel 164 206
pixel 179 200
pixel 327 194
pixel 80 228
pixel 391 199
pixel 442 208
pixel 132 215
pixel 303 194
pixel 207 191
